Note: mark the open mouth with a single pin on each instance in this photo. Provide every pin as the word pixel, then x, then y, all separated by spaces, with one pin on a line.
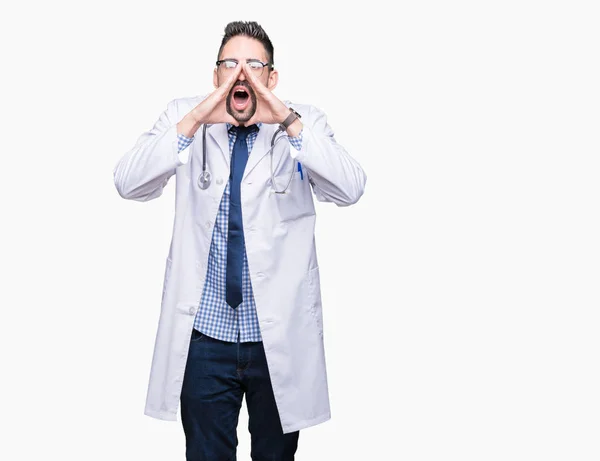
pixel 241 98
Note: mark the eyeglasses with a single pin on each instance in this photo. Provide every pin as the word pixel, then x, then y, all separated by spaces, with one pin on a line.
pixel 228 65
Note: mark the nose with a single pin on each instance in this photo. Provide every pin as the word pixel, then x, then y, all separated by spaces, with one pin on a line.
pixel 242 75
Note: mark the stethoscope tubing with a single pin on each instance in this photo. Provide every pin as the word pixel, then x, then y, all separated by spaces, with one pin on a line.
pixel 204 178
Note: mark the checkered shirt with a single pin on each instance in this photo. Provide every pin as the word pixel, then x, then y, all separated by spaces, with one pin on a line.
pixel 215 318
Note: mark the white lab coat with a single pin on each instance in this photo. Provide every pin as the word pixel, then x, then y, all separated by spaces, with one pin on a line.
pixel 280 245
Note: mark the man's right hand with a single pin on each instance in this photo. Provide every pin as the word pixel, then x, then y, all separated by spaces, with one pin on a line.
pixel 212 109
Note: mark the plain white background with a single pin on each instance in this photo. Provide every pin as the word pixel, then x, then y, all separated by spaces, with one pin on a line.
pixel 461 301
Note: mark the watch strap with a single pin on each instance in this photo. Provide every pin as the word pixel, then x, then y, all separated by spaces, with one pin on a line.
pixel 289 119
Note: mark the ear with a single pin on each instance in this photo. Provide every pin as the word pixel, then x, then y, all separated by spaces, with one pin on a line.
pixel 273 79
pixel 215 79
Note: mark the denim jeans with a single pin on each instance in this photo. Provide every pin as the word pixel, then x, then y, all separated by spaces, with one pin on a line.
pixel 217 375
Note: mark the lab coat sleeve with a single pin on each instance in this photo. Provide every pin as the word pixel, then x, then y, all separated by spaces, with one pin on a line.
pixel 334 175
pixel 143 172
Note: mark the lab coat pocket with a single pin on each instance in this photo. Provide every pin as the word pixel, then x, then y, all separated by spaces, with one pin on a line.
pixel 297 201
pixel 314 298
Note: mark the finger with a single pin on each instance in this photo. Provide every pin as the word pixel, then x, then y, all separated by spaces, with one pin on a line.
pixel 227 84
pixel 235 74
pixel 230 81
pixel 256 83
pixel 254 80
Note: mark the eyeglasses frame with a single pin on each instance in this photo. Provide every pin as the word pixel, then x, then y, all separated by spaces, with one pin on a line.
pixel 264 64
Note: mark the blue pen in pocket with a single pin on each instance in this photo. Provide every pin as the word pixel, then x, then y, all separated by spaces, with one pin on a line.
pixel 300 170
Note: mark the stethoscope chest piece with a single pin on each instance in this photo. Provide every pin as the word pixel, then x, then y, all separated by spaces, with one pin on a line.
pixel 204 180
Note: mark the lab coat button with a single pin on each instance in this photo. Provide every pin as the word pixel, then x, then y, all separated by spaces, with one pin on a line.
pixel 208 224
pixel 192 310
pixel 220 181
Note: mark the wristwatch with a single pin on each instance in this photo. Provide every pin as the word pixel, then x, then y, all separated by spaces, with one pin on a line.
pixel 289 120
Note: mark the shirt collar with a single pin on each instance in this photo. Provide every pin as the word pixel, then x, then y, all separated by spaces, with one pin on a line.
pixel 229 126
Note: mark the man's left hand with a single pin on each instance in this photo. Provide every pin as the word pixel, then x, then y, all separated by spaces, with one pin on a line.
pixel 269 108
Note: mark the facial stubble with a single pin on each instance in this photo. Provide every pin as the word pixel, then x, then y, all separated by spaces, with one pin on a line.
pixel 249 112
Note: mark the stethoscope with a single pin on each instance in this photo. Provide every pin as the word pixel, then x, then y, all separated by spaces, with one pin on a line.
pixel 204 179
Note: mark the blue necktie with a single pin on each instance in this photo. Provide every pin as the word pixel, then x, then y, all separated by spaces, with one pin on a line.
pixel 235 233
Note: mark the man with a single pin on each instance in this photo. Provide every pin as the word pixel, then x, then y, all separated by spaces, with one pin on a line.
pixel 241 308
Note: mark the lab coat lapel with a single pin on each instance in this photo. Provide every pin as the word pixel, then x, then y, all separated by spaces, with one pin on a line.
pixel 219 133
pixel 260 147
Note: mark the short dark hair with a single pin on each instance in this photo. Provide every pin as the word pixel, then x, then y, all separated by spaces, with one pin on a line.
pixel 249 29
